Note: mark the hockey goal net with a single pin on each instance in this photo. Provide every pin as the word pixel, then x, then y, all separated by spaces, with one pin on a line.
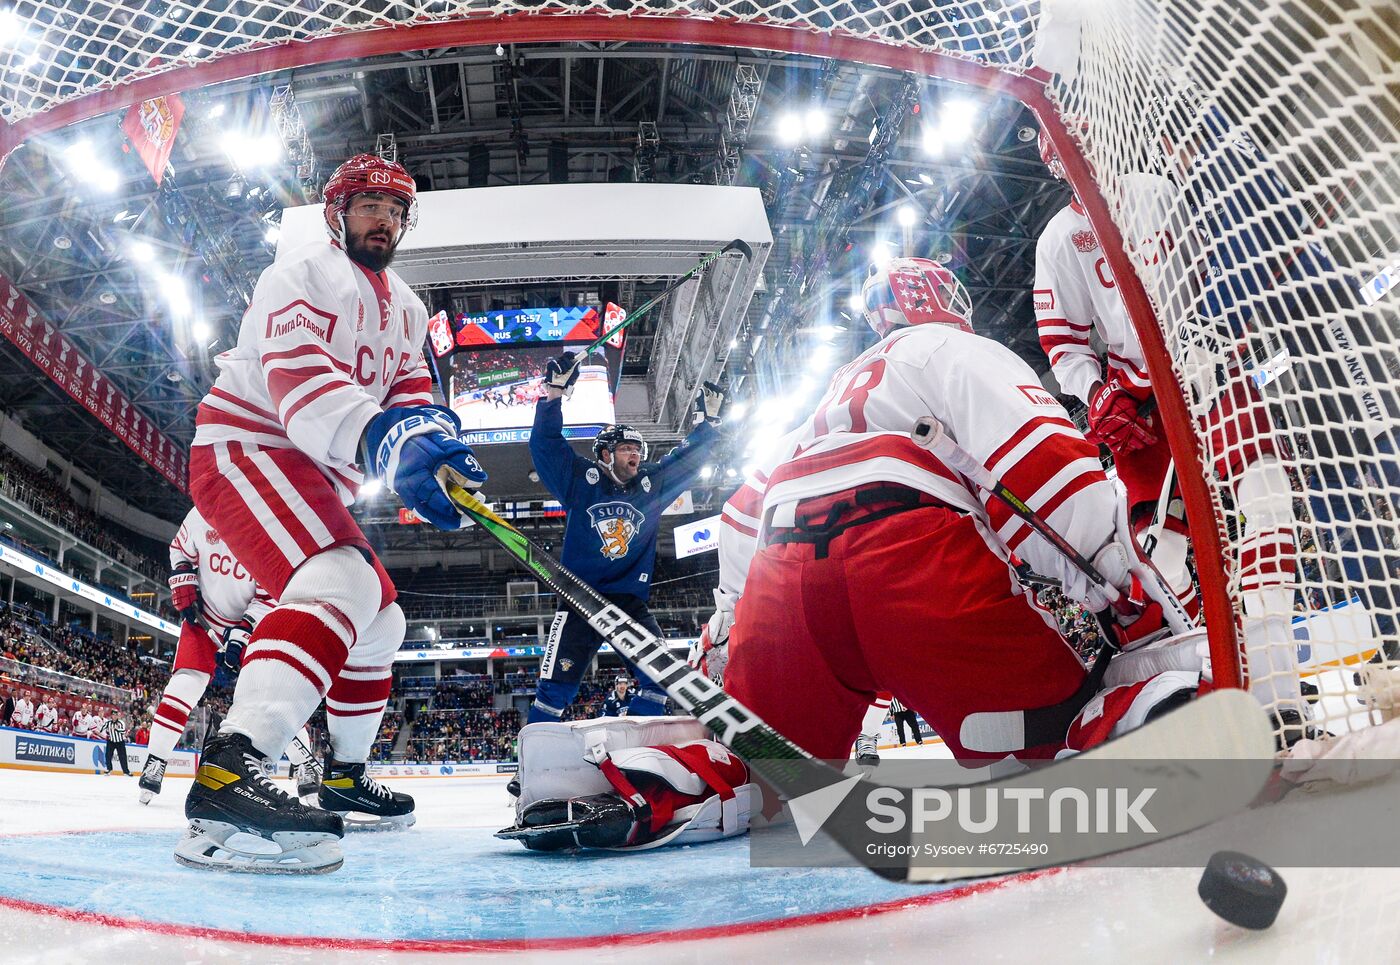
pixel 1240 163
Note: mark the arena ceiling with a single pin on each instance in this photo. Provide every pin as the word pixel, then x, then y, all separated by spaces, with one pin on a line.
pixel 847 157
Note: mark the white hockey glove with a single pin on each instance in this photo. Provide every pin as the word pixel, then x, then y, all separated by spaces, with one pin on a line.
pixel 561 373
pixel 710 402
pixel 710 654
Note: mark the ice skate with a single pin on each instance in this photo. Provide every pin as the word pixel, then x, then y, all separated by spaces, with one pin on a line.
pixel 364 803
pixel 152 774
pixel 240 821
pixel 307 776
pixel 867 751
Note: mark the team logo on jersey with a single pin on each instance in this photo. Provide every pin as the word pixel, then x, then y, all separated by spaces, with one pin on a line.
pixel 300 314
pixel 1044 299
pixel 1084 241
pixel 211 536
pixel 592 477
pixel 617 524
pixel 1038 395
pixel 646 484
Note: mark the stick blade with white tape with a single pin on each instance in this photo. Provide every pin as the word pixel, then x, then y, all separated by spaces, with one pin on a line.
pixel 1173 754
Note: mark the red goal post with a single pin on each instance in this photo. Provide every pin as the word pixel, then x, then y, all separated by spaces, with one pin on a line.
pixel 1142 82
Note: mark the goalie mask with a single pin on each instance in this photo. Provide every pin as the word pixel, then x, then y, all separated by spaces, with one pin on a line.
pixel 362 174
pixel 915 291
pixel 613 436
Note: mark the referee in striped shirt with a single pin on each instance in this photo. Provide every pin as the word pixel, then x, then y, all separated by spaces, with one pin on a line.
pixel 115 732
pixel 903 715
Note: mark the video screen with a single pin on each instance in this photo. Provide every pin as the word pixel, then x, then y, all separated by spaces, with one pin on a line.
pixel 494 391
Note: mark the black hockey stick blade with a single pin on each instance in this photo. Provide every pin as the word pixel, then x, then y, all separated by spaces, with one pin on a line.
pixel 739 245
pixel 1226 725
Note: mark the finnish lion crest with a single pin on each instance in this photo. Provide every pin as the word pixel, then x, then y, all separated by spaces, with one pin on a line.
pixel 617 525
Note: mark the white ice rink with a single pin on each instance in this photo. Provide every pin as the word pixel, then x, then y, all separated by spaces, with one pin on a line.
pixel 86 875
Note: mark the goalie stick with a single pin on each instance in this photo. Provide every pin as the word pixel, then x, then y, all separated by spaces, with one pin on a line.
pixel 1225 724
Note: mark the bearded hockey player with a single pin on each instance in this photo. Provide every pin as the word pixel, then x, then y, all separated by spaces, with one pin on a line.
pixel 856 562
pixel 614 505
pixel 219 604
pixel 327 381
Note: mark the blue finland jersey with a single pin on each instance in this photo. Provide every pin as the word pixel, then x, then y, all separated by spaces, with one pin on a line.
pixel 610 531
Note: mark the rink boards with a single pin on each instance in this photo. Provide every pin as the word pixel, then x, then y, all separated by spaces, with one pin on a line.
pixel 29 750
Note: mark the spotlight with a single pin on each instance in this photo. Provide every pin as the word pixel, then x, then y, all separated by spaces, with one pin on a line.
pixel 790 129
pixel 906 215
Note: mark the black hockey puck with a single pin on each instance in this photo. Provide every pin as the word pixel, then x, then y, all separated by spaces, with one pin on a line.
pixel 1242 890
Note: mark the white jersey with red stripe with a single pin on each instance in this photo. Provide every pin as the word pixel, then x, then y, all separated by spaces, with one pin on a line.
pixel 1076 295
pixel 227 589
pixel 991 403
pixel 324 347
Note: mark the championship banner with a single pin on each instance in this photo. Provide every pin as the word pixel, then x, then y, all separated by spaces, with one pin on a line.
pixel 71 370
pixel 701 537
pixel 151 126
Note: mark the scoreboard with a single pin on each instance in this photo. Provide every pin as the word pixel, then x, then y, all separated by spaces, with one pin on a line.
pixel 527 326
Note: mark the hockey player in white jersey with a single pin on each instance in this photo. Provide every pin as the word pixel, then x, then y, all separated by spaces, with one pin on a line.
pixel 1075 296
pixel 856 562
pixel 328 380
pixel 23 714
pixel 219 604
pixel 46 717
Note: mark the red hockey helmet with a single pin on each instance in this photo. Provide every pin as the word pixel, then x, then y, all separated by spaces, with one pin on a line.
pixel 371 173
pixel 915 291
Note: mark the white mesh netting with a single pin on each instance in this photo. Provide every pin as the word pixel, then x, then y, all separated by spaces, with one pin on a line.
pixel 1249 154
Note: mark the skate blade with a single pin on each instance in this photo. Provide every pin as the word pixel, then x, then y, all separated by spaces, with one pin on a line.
pixel 146 797
pixel 214 846
pixel 360 821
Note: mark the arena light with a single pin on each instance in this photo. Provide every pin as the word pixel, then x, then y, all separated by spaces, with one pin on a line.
pixel 272 234
pixel 736 411
pixel 176 295
pixel 933 141
pixel 815 122
pixel 371 488
pixel 790 129
pixel 906 215
pixel 730 473
pixel 141 251
pixel 957 118
pixel 10 28
pixel 83 164
pixel 857 303
pixel 250 151
pixel 881 256
pixel 201 331
pixel 925 178
pixel 707 471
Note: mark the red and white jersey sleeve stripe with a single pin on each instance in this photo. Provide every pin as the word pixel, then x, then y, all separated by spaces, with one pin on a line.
pixel 738 533
pixel 413 388
pixel 183 549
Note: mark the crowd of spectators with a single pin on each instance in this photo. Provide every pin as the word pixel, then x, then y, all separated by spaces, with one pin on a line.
pixel 44 494
pixel 463 692
pixel 389 727
pixel 477 734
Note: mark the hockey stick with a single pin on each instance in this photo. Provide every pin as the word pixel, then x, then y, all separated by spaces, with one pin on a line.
pixel 932 435
pixel 738 244
pixel 1224 725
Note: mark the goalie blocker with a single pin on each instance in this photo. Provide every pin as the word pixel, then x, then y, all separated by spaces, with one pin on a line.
pixel 626 784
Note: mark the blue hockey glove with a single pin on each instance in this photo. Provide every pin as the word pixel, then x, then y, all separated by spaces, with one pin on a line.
pixel 412 448
pixel 231 653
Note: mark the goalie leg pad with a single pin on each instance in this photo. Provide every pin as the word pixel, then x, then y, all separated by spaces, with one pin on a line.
pixel 1114 712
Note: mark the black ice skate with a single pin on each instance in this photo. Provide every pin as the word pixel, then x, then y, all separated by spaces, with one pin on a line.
pixel 867 751
pixel 364 803
pixel 152 774
pixel 233 804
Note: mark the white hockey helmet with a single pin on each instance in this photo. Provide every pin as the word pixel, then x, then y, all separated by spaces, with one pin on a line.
pixel 915 291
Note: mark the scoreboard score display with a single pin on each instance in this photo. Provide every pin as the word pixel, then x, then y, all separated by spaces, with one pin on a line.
pixel 527 326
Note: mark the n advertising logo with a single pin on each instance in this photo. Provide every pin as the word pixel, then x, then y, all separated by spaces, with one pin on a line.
pixel 45 751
